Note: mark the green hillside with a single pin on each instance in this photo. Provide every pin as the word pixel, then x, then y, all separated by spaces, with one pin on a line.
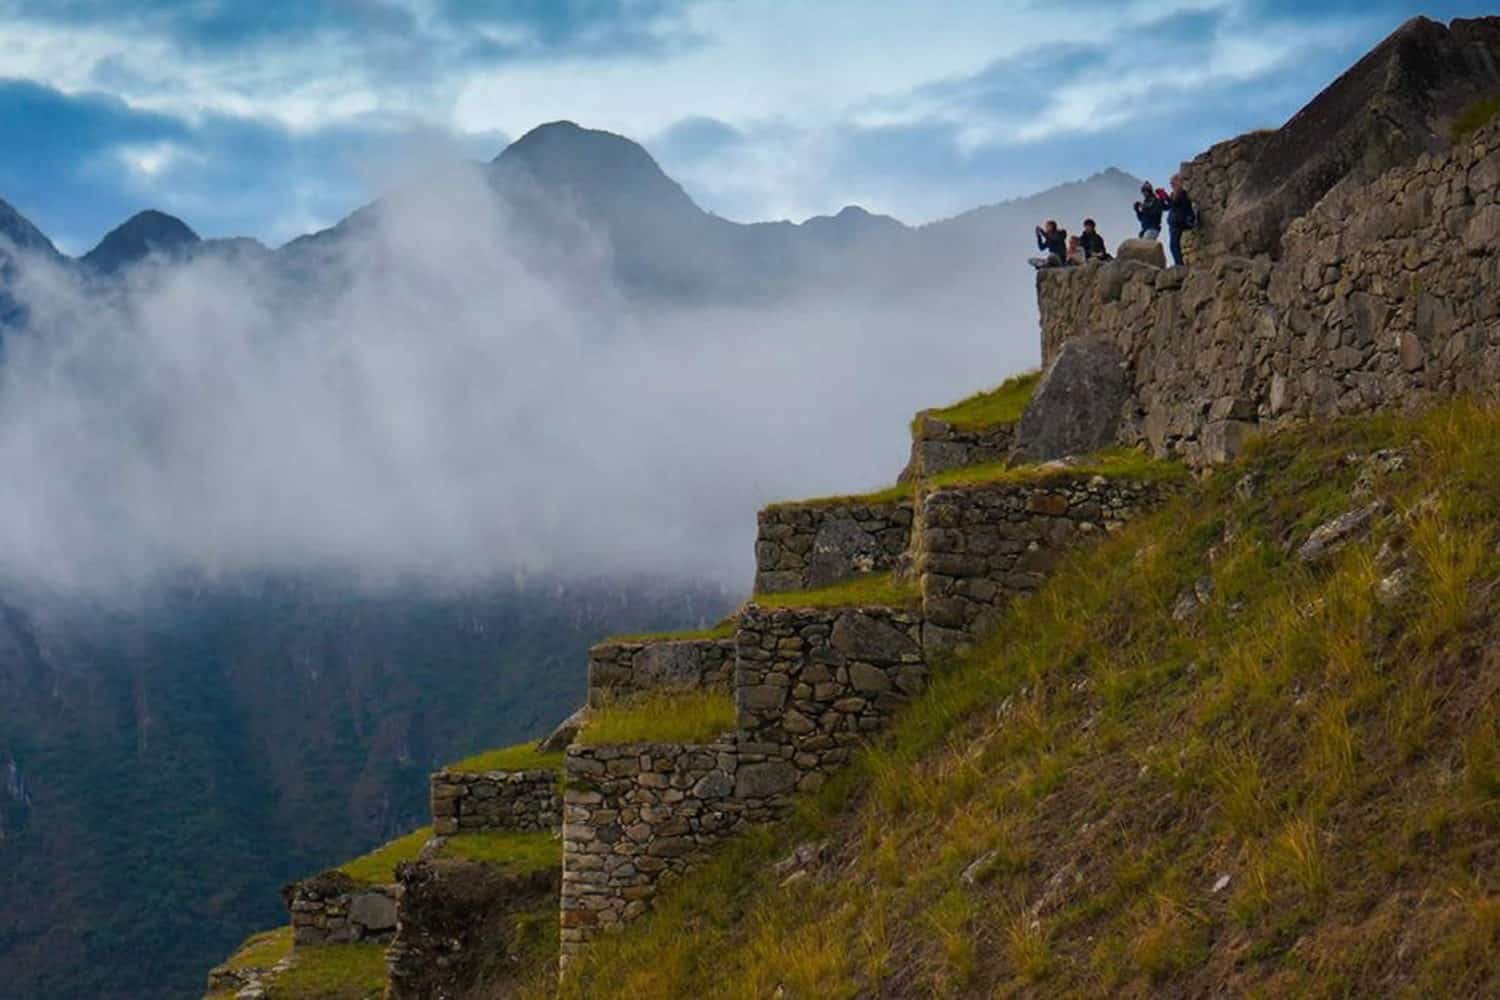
pixel 1205 759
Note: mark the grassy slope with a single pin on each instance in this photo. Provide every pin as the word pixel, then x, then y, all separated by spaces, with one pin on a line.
pixel 1330 764
pixel 869 589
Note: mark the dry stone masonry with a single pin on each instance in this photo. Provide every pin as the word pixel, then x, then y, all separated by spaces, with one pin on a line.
pixel 938 446
pixel 1385 297
pixel 635 816
pixel 980 546
pixel 622 668
pixel 812 683
pixel 477 802
pixel 333 908
pixel 809 545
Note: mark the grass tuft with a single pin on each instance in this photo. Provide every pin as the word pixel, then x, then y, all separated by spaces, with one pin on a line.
pixel 881 590
pixel 262 950
pixel 334 972
pixel 1003 404
pixel 514 852
pixel 695 716
pixel 521 757
pixel 722 630
pixel 1474 117
pixel 379 866
pixel 1119 463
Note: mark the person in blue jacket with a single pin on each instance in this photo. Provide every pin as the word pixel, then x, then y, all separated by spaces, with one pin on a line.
pixel 1181 216
pixel 1148 212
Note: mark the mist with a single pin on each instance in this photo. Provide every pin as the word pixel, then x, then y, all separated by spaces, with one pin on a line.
pixel 454 406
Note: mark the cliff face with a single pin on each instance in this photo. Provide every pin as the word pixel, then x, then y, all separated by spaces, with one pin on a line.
pixel 1395 104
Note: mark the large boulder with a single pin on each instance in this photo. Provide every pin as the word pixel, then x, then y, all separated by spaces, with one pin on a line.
pixel 1143 252
pixel 1076 407
pixel 1401 100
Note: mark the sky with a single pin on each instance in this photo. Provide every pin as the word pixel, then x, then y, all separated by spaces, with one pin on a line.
pixel 271 118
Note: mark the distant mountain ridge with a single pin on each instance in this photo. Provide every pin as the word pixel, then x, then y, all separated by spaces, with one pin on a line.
pixel 562 184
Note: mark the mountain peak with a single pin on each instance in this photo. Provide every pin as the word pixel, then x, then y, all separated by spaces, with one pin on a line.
pixel 595 166
pixel 139 237
pixel 19 230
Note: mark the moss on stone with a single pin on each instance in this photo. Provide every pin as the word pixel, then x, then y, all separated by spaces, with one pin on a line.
pixel 1114 463
pixel 723 630
pixel 868 590
pixel 1475 117
pixel 516 853
pixel 521 757
pixel 1003 404
pixel 696 716
pixel 891 494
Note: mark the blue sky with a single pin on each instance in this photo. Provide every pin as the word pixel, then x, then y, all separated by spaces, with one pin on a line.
pixel 270 118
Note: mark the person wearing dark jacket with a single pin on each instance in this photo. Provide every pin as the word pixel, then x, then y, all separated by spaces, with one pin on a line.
pixel 1148 212
pixel 1092 242
pixel 1053 243
pixel 1181 216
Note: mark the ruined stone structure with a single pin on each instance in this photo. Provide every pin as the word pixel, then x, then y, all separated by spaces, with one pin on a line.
pixel 979 547
pixel 333 908
pixel 458 925
pixel 479 802
pixel 1385 296
pixel 634 817
pixel 938 446
pixel 622 668
pixel 804 546
pixel 1374 285
pixel 811 683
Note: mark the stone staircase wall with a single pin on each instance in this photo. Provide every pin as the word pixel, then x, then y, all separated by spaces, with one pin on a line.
pixel 1385 296
pixel 812 683
pixel 937 446
pixel 478 802
pixel 634 816
pixel 978 547
pixel 810 545
pixel 622 668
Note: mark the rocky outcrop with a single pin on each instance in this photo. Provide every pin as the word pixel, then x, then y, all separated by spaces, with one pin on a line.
pixel 1076 408
pixel 1392 106
pixel 1148 252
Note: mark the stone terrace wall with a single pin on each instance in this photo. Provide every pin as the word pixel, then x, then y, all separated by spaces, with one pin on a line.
pixel 469 802
pixel 332 908
pixel 1385 296
pixel 980 546
pixel 809 545
pixel 812 683
pixel 635 816
pixel 456 916
pixel 621 669
pixel 938 446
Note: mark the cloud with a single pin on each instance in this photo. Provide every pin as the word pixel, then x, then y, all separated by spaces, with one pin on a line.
pixel 455 408
pixel 89 160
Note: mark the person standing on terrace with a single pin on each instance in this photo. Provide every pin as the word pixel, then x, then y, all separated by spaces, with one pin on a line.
pixel 1181 216
pixel 1148 212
